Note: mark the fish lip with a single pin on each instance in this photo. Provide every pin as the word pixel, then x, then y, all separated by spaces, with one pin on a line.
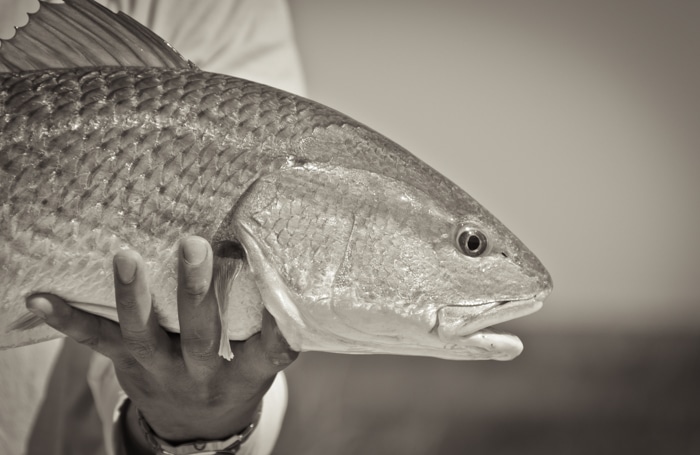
pixel 455 322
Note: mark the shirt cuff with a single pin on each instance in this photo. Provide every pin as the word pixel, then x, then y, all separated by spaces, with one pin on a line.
pixel 110 398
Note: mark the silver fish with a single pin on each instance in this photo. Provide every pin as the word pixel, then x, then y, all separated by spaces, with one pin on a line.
pixel 109 139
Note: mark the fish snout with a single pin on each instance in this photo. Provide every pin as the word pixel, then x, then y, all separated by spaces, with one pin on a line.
pixel 541 283
pixel 546 286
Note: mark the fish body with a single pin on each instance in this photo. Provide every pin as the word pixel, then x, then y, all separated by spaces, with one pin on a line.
pixel 352 243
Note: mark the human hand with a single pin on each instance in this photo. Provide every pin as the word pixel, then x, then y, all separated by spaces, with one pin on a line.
pixel 179 383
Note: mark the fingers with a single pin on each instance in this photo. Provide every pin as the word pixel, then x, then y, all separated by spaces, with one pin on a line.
pixel 197 310
pixel 267 353
pixel 143 337
pixel 275 346
pixel 99 334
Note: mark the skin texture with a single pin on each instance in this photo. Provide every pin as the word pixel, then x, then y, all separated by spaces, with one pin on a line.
pixel 179 382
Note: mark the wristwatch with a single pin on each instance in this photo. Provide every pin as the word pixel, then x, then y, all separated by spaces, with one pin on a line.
pixel 224 447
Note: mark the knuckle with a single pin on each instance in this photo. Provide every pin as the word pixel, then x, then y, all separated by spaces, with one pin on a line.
pixel 91 341
pixel 140 349
pixel 128 302
pixel 201 350
pixel 203 356
pixel 127 362
pixel 138 343
pixel 196 286
pixel 90 336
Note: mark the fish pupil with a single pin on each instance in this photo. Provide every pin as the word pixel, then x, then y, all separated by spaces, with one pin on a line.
pixel 472 242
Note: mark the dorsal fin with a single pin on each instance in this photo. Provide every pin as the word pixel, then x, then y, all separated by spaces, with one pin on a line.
pixel 82 33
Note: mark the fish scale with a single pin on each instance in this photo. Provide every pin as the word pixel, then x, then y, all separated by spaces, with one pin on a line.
pixel 118 144
pixel 351 242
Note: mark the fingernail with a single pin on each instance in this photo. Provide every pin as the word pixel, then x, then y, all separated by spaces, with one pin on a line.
pixel 126 269
pixel 194 250
pixel 39 306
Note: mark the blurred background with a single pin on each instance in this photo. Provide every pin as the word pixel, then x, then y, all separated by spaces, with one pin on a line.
pixel 578 125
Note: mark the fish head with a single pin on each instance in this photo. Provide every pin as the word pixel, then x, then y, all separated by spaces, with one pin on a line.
pixel 418 280
pixel 354 261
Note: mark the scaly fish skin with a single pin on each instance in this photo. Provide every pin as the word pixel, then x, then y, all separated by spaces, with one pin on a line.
pixel 358 233
pixel 100 159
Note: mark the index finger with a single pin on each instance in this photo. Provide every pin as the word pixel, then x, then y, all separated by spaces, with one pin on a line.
pixel 142 335
pixel 197 310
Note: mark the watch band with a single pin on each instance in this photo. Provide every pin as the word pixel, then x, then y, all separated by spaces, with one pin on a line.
pixel 227 446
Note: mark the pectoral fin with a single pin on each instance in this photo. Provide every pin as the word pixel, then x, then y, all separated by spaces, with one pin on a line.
pixel 225 271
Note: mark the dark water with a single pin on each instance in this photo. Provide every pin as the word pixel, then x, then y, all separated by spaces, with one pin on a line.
pixel 583 393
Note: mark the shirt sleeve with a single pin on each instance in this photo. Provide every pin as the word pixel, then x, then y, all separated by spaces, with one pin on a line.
pixel 250 39
pixel 109 398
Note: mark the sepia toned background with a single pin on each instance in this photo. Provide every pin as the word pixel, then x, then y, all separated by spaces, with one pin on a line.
pixel 578 125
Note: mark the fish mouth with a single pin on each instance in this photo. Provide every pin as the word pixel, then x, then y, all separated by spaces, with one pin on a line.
pixel 458 325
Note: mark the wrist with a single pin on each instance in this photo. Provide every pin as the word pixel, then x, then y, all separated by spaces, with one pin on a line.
pixel 179 426
pixel 140 437
pixel 134 440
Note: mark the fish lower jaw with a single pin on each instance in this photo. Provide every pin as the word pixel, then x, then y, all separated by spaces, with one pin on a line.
pixel 464 325
pixel 496 345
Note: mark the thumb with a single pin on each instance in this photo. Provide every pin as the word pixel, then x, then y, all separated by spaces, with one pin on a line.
pixel 265 354
pixel 275 346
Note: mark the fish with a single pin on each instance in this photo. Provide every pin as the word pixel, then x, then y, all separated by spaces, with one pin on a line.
pixel 111 140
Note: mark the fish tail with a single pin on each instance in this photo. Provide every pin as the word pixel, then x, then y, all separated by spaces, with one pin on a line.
pixel 25 322
pixel 225 271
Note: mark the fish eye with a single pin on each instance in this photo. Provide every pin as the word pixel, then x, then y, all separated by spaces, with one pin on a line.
pixel 471 242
